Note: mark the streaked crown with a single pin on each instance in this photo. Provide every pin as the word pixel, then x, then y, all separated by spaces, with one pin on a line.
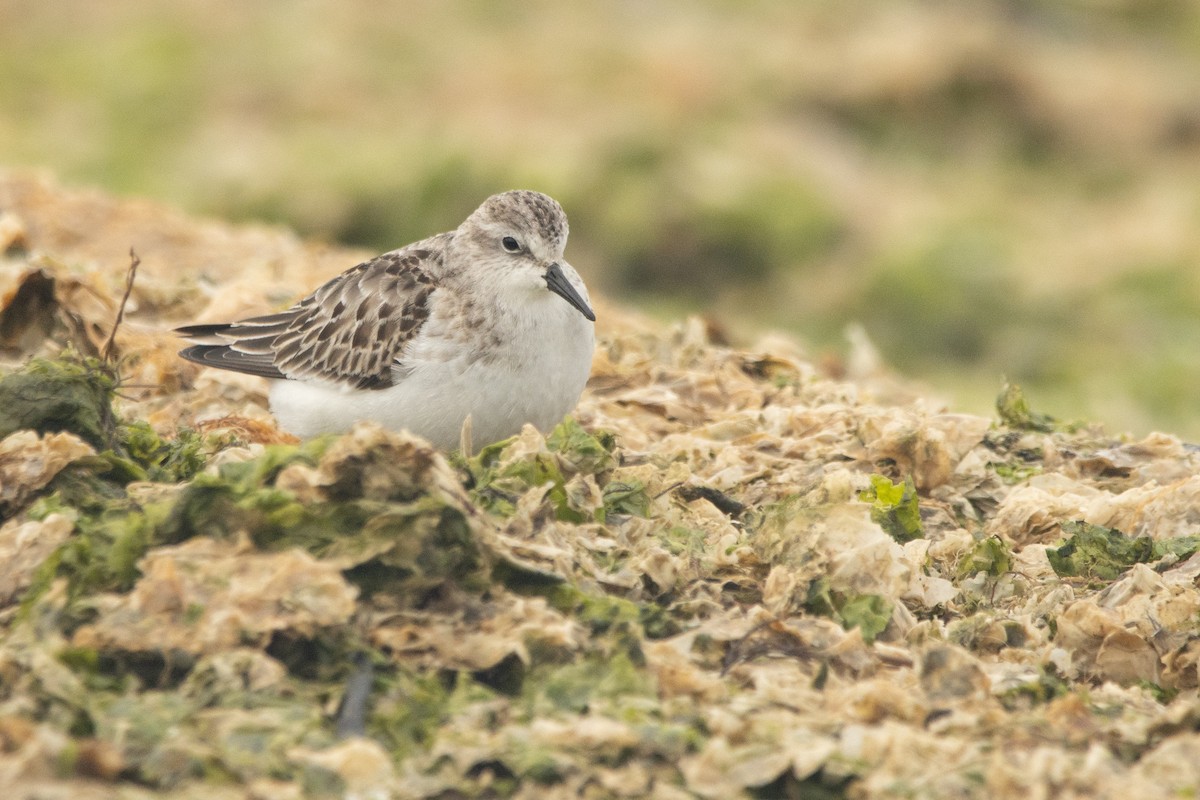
pixel 526 212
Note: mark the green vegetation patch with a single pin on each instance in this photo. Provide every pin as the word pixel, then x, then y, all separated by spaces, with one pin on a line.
pixel 405 535
pixel 385 521
pixel 74 394
pixel 502 473
pixel 581 451
pixel 989 555
pixel 101 555
pixel 625 497
pixel 66 394
pixel 870 613
pixel 1015 411
pixel 1093 551
pixel 895 508
pixel 164 460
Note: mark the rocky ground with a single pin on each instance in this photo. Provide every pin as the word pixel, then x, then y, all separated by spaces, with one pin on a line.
pixel 735 573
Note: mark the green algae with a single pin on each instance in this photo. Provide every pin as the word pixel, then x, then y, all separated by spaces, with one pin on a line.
pixel 625 497
pixel 1015 411
pixel 989 555
pixel 1013 474
pixel 574 688
pixel 164 460
pixel 67 394
pixel 75 394
pixel 583 452
pixel 403 538
pixel 501 473
pixel 407 541
pixel 111 534
pixel 870 613
pixel 894 507
pixel 1094 551
pixel 501 480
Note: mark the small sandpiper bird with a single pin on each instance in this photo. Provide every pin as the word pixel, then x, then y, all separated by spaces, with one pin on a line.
pixel 486 322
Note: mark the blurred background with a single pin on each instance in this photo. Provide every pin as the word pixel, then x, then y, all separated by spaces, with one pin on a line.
pixel 990 187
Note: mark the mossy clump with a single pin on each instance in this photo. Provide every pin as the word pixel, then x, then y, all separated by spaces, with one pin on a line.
pixel 74 394
pixel 70 393
pixel 163 460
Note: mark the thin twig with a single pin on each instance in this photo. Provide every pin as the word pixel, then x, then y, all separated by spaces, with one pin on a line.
pixel 130 274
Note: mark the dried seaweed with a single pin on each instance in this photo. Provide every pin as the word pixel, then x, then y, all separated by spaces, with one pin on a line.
pixel 727 575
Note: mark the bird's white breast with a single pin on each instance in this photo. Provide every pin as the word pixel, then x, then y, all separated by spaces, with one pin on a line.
pixel 529 366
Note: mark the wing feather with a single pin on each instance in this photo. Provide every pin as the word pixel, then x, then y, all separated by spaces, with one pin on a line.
pixel 350 331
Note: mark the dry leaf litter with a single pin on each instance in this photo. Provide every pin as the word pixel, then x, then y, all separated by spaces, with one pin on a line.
pixel 730 575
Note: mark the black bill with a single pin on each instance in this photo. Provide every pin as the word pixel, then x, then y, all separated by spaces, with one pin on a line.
pixel 558 283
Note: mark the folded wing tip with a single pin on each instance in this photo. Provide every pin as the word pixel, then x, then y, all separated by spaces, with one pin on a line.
pixel 222 356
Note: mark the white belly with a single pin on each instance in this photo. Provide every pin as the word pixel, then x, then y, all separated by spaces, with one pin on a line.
pixel 435 397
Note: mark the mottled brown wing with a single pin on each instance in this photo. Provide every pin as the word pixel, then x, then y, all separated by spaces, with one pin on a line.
pixel 350 331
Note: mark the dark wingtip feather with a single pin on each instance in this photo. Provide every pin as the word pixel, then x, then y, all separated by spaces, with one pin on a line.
pixel 223 357
pixel 202 331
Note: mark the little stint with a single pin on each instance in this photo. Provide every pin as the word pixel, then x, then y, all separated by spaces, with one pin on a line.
pixel 486 322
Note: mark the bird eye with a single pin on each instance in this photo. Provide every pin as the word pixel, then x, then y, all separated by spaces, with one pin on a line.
pixel 510 244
